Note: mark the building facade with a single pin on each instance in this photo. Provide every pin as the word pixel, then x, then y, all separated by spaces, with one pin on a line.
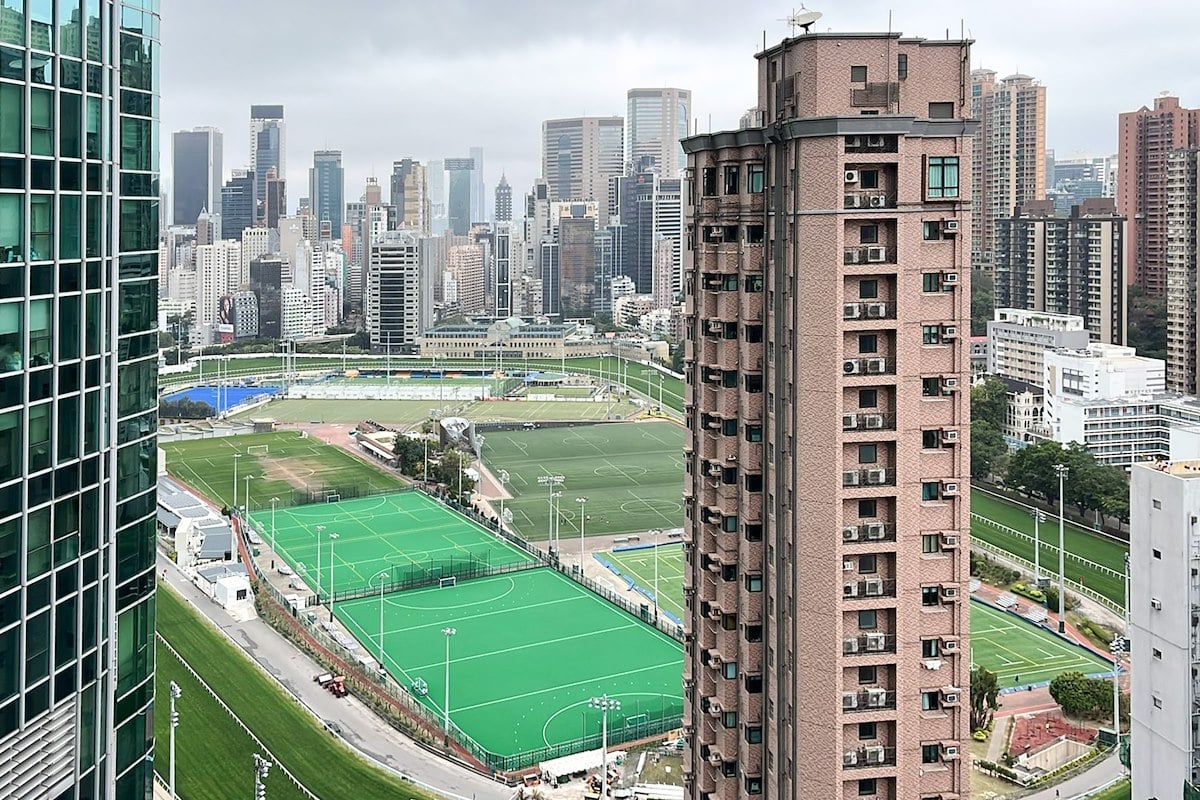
pixel 393 291
pixel 1008 153
pixel 460 177
pixel 327 188
pixel 1017 341
pixel 196 173
pixel 504 207
pixel 78 402
pixel 1183 236
pixel 580 156
pixel 1146 138
pixel 237 204
pixel 825 500
pixel 410 196
pixel 656 121
pixel 268 149
pixel 1067 265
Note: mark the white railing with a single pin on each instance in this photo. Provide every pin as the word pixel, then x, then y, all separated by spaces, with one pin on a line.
pixel 1078 588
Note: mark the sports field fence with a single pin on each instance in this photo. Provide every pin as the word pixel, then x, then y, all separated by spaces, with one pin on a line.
pixel 434 572
pixel 313 493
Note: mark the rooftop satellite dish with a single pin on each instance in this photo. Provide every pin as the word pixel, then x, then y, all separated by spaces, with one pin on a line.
pixel 802 19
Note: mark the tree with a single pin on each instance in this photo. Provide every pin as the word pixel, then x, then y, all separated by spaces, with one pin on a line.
pixel 989 402
pixel 450 470
pixel 1146 323
pixel 1032 468
pixel 988 450
pixel 677 358
pixel 985 694
pixel 1073 692
pixel 983 300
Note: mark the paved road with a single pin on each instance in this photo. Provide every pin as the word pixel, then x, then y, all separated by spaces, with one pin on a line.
pixel 359 725
pixel 1081 784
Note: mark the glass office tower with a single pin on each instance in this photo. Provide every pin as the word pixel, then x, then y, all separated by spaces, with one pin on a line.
pixel 79 205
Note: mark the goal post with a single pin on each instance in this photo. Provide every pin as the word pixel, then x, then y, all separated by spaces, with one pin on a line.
pixel 446 583
pixel 333 498
pixel 257 450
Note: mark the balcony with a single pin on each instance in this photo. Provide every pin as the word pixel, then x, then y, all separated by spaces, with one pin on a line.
pixel 872 531
pixel 869 588
pixel 869 700
pixel 869 643
pixel 867 421
pixel 868 199
pixel 868 310
pixel 873 365
pixel 866 757
pixel 869 254
pixel 869 476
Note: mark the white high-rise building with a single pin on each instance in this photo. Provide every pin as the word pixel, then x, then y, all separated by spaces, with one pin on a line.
pixel 296 315
pixel 256 242
pixel 393 291
pixel 655 121
pixel 217 269
pixel 1018 340
pixel 668 224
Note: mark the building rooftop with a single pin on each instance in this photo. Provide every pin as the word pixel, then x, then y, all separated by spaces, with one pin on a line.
pixel 1180 469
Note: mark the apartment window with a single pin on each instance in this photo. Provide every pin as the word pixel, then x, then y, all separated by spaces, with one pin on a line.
pixel 753 785
pixel 729 572
pixel 754 734
pixel 754 384
pixel 754 532
pixel 754 234
pixel 941 177
pixel 868 564
pixel 931 753
pixel 941 110
pixel 754 633
pixel 729 427
pixel 1156 653
pixel 1158 702
pixel 729 622
pixel 931 387
pixel 931 490
pixel 868 619
pixel 902 66
pixel 1156 503
pixel 931 439
pixel 729 769
pixel 754 333
pixel 729 524
pixel 868 289
pixel 858 74
pixel 868 675
pixel 1157 553
pixel 754 433
pixel 754 283
pixel 868 343
pixel 931 334
pixel 731 180
pixel 729 719
pixel 729 283
pixel 930 701
pixel 868 178
pixel 754 583
pixel 933 232
pixel 868 453
pixel 868 234
pixel 708 181
pixel 931 281
pixel 866 730
pixel 931 543
pixel 867 508
pixel 868 398
pixel 754 178
pixel 729 670
pixel 930 596
pixel 931 648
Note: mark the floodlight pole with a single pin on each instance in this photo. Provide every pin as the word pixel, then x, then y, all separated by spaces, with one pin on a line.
pixel 1039 517
pixel 236 456
pixel 1117 647
pixel 582 519
pixel 656 532
pixel 448 632
pixel 247 480
pixel 1061 470
pixel 604 703
pixel 550 482
pixel 261 768
pixel 382 581
pixel 503 476
pixel 332 538
pixel 274 500
pixel 175 694
pixel 320 528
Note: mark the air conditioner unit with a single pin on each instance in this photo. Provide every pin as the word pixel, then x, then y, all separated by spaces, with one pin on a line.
pixel 877 310
pixel 949 752
pixel 949 488
pixel 850 589
pixel 950 696
pixel 949 541
pixel 950 226
pixel 878 201
pixel 949 436
pixel 876 476
pixel 715 325
pixel 849 421
pixel 949 331
pixel 876 366
pixel 877 698
pixel 852 256
pixel 715 758
pixel 849 758
pixel 949 383
pixel 875 141
pixel 850 645
pixel 850 533
pixel 873 421
pixel 714 708
pixel 851 310
pixel 847 566
pixel 849 701
pixel 854 141
pixel 851 366
pixel 873 587
pixel 876 642
pixel 949 592
pixel 949 645
pixel 1156 604
pixel 875 254
pixel 873 755
pixel 949 278
pixel 714 471
pixel 851 176
pixel 715 424
pixel 876 530
pixel 716 232
pixel 852 201
pixel 850 478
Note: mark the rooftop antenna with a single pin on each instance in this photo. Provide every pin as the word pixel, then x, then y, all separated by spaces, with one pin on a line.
pixel 802 19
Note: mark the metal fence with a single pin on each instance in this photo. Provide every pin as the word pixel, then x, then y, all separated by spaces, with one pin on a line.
pixel 313 493
pixel 432 572
pixel 1078 588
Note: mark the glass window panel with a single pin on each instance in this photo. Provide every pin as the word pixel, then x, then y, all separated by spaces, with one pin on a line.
pixel 39 437
pixel 41 227
pixel 70 176
pixel 70 27
pixel 12 62
pixel 37 543
pixel 10 559
pixel 64 631
pixel 12 278
pixel 70 74
pixel 40 314
pixel 41 122
pixel 12 21
pixel 12 229
pixel 135 650
pixel 37 647
pixel 12 118
pixel 41 19
pixel 41 69
pixel 68 428
pixel 93 29
pixel 11 340
pixel 10 448
pixel 139 225
pixel 135 143
pixel 41 174
pixel 68 226
pixel 69 122
pixel 68 327
pixel 136 63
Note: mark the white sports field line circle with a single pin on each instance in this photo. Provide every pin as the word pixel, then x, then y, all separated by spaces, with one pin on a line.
pixel 512 587
pixel 616 471
pixel 593 440
pixel 661 506
pixel 619 696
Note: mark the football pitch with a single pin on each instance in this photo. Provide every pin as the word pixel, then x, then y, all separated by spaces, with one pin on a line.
pixel 408 412
pixel 630 473
pixel 638 565
pixel 276 463
pixel 529 650
pixel 1020 653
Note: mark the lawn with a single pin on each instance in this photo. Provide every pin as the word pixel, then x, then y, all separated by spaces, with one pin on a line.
pixel 630 473
pixel 1020 653
pixel 220 767
pixel 639 566
pixel 291 463
pixel 1082 545
pixel 1122 791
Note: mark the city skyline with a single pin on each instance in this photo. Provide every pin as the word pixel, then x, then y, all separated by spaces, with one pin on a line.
pixel 702 57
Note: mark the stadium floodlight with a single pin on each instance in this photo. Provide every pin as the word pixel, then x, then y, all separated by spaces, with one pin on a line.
pixel 236 457
pixel 605 704
pixel 320 528
pixel 382 581
pixel 582 519
pixel 503 482
pixel 1039 517
pixel 274 500
pixel 1117 648
pixel 333 537
pixel 246 516
pixel 550 482
pixel 448 632
pixel 261 768
pixel 176 693
pixel 656 533
pixel 1061 470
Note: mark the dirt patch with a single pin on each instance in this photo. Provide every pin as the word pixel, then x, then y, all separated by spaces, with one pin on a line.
pixel 297 472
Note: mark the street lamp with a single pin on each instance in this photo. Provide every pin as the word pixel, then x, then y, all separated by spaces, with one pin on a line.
pixel 261 768
pixel 332 538
pixel 605 704
pixel 236 456
pixel 382 581
pixel 274 500
pixel 1061 470
pixel 550 482
pixel 176 692
pixel 582 519
pixel 503 482
pixel 448 632
pixel 320 528
pixel 247 479
pixel 1039 517
pixel 1117 648
pixel 656 532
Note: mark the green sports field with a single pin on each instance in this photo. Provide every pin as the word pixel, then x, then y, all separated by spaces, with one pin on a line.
pixel 529 650
pixel 408 412
pixel 630 473
pixel 639 565
pixel 1020 653
pixel 1093 560
pixel 401 534
pixel 291 463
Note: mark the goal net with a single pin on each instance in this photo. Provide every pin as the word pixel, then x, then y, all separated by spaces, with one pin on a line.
pixel 333 498
pixel 257 450
pixel 448 582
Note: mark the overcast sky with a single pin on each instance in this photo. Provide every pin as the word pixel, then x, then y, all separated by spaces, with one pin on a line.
pixel 385 79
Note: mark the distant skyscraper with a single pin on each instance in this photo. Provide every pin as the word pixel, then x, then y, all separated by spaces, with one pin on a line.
pixel 327 188
pixel 668 236
pixel 237 204
pixel 1147 137
pixel 460 173
pixel 577 258
pixel 410 196
pixel 580 155
pixel 435 178
pixel 274 203
pixel 196 173
pixel 1183 277
pixel 478 198
pixel 79 421
pixel 655 122
pixel 636 193
pixel 503 200
pixel 1008 163
pixel 393 291
pixel 268 143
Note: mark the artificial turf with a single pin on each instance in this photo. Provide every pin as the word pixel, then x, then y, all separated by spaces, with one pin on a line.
pixel 529 650
pixel 630 473
pixel 639 566
pixel 382 534
pixel 1021 653
pixel 291 463
pixel 220 764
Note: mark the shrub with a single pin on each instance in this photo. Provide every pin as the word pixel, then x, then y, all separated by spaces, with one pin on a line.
pixel 980 736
